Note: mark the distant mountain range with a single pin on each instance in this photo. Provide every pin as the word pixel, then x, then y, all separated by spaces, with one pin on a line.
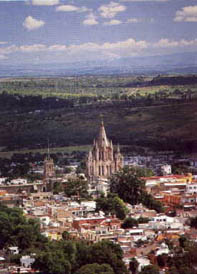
pixel 179 63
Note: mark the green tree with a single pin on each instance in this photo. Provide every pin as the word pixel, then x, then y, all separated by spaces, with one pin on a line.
pixel 106 252
pixel 129 223
pixel 193 222
pixel 112 204
pixel 150 269
pixel 133 265
pixel 183 241
pixel 128 185
pixel 76 187
pixel 57 188
pixel 66 235
pixel 95 269
pixel 52 262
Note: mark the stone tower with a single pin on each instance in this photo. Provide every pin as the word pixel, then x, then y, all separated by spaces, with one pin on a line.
pixel 49 170
pixel 102 161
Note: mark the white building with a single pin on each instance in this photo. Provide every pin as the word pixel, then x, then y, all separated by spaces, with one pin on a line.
pixel 191 189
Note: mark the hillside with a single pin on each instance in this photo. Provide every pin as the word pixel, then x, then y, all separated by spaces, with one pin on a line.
pixel 135 112
pixel 159 127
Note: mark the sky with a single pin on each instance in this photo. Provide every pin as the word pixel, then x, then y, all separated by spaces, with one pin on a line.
pixel 69 31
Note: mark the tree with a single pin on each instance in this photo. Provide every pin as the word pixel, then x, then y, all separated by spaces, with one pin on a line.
pixel 193 222
pixel 16 229
pixel 183 241
pixel 76 187
pixel 149 201
pixel 66 235
pixel 129 223
pixel 57 188
pixel 150 269
pixel 95 269
pixel 128 185
pixel 112 204
pixel 106 252
pixel 133 265
pixel 52 263
pixel 162 260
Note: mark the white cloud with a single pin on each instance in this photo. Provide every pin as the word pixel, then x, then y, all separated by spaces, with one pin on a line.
pixel 57 48
pixel 134 20
pixel 113 22
pixel 32 48
pixel 71 8
pixel 110 10
pixel 31 23
pixel 166 43
pixel 45 2
pixel 144 0
pixel 93 51
pixel 186 14
pixel 3 42
pixel 3 57
pixel 90 20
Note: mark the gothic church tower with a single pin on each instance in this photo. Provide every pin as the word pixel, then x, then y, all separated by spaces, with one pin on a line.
pixel 102 161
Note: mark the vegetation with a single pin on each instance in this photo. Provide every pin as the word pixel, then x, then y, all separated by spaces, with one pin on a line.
pixel 129 186
pixel 150 269
pixel 57 257
pixel 112 204
pixel 76 187
pixel 193 222
pixel 129 223
pixel 138 111
pixel 133 266
pixel 95 269
pixel 15 229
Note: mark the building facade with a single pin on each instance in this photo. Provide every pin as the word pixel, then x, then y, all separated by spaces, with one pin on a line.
pixel 102 160
pixel 49 174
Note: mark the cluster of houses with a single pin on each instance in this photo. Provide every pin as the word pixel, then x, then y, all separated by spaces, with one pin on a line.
pixel 58 213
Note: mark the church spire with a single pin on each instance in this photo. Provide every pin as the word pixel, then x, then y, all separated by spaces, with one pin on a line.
pixel 118 148
pixel 48 150
pixel 102 137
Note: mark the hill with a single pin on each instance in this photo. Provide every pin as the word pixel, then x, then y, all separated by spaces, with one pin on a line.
pixel 158 113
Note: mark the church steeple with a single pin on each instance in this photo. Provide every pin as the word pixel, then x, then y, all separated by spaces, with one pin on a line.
pixel 102 161
pixel 102 137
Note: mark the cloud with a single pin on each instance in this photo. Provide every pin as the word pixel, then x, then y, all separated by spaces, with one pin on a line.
pixel 110 10
pixel 144 0
pixel 113 22
pixel 166 43
pixel 71 8
pixel 3 57
pixel 45 2
pixel 186 14
pixel 90 20
pixel 134 20
pixel 32 48
pixel 31 23
pixel 60 53
pixel 3 42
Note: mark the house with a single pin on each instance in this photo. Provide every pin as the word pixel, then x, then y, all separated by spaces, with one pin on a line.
pixel 163 249
pixel 26 261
